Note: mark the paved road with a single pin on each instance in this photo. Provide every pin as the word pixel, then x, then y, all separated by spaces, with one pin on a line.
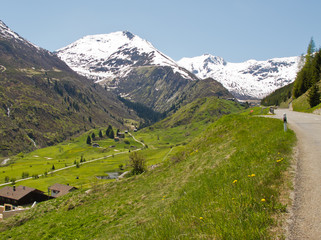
pixel 305 222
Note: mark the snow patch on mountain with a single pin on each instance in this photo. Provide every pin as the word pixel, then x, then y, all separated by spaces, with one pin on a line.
pixel 105 57
pixel 254 79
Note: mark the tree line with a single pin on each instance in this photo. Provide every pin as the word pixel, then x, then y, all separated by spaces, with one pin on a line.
pixel 309 75
pixel 109 133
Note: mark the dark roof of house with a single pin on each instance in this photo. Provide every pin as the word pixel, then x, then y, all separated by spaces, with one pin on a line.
pixel 17 192
pixel 63 189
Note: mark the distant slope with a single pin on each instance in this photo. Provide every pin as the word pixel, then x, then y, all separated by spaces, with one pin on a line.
pixel 250 79
pixel 280 95
pixel 43 101
pixel 163 90
pixel 205 110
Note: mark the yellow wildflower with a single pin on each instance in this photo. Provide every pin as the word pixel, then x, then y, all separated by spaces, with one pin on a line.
pixel 235 181
pixel 263 200
pixel 252 175
pixel 201 218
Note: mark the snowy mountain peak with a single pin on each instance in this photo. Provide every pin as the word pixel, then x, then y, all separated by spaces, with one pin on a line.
pixel 7 33
pixel 250 79
pixel 105 57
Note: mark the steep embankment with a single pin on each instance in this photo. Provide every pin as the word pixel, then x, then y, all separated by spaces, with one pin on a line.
pixel 223 184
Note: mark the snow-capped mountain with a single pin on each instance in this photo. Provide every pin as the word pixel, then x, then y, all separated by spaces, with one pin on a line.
pixel 254 79
pixel 105 57
pixel 133 68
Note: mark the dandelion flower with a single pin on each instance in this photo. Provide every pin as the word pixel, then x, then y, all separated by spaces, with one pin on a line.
pixel 279 160
pixel 235 181
pixel 201 218
pixel 263 200
pixel 252 175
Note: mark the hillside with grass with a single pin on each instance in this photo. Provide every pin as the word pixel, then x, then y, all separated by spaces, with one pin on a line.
pixel 206 178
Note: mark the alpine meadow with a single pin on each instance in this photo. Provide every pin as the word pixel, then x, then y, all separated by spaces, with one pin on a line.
pixel 106 136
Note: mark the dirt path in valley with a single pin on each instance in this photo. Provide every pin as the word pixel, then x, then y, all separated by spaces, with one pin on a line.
pixel 305 219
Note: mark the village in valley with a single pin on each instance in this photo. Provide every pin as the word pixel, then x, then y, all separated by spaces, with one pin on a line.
pixel 17 199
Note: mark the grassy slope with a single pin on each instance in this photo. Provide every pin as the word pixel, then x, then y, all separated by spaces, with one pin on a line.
pixel 192 195
pixel 301 104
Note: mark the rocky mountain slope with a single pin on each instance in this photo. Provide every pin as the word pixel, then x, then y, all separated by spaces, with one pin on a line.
pixel 43 101
pixel 132 68
pixel 250 79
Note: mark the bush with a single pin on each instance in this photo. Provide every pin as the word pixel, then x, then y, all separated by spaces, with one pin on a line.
pixel 6 179
pixel 137 162
pixel 126 141
pixel 25 175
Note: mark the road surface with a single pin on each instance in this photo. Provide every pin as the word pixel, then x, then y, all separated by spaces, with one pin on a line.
pixel 305 221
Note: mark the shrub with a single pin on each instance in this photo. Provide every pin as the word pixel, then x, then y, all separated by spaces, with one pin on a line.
pixel 121 167
pixel 6 179
pixel 137 162
pixel 25 175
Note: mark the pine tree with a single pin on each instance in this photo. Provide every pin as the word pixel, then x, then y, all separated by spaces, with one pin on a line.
pixel 88 140
pixel 305 79
pixel 93 136
pixel 110 132
pixel 314 96
pixel 100 134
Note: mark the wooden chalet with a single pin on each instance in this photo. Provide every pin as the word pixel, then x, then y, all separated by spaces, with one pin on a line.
pixel 21 195
pixel 58 190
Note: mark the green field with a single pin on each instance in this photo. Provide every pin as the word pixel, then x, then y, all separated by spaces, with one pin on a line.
pixel 216 180
pixel 42 161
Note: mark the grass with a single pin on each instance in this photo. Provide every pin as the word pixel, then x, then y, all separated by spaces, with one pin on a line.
pixel 222 184
pixel 65 154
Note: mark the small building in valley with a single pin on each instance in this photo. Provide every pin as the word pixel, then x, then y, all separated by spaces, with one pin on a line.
pixel 58 190
pixel 21 195
pixel 121 135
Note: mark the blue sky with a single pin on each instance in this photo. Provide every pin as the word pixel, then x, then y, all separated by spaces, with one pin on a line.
pixel 236 30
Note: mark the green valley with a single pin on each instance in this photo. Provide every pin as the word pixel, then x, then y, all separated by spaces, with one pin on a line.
pixel 209 177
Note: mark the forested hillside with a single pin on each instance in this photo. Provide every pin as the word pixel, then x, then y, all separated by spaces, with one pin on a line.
pixel 309 75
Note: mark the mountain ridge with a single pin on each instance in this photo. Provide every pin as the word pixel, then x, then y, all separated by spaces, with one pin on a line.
pixel 249 79
pixel 132 68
